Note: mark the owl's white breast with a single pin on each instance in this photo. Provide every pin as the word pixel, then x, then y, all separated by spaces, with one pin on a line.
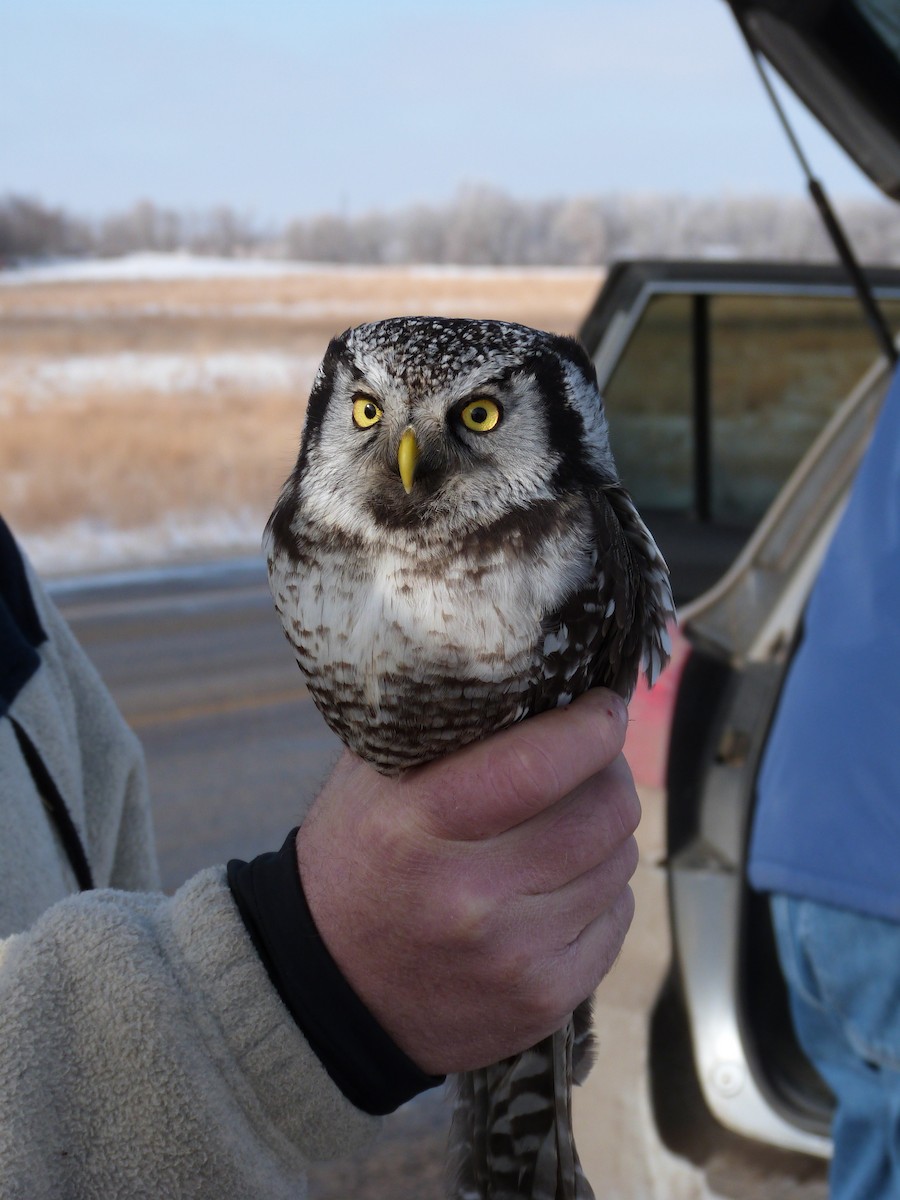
pixel 474 613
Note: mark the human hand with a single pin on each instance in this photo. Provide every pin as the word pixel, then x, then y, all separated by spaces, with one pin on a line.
pixel 474 902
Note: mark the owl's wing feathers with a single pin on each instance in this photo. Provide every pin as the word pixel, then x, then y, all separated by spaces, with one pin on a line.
pixel 615 624
pixel 654 610
pixel 640 580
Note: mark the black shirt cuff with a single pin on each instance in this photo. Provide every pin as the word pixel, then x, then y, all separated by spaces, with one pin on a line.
pixel 365 1063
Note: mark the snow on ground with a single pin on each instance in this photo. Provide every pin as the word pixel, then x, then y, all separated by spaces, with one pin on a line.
pixel 147 266
pixel 178 265
pixel 75 379
pixel 85 546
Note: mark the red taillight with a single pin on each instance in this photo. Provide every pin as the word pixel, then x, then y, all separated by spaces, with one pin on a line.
pixel 650 718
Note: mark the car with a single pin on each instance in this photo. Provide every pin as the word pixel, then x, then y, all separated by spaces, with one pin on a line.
pixel 741 398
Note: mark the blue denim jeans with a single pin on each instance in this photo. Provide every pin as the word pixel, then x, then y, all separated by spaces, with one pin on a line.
pixel 843 974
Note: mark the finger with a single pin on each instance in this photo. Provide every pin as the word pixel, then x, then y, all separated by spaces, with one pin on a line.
pixel 495 785
pixel 576 834
pixel 563 980
pixel 597 947
pixel 565 914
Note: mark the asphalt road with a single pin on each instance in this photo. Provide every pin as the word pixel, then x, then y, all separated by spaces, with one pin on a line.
pixel 198 664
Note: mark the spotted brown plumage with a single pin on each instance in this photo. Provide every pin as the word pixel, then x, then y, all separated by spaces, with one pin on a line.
pixel 453 552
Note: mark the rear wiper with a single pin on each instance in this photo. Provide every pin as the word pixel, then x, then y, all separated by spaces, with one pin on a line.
pixel 835 230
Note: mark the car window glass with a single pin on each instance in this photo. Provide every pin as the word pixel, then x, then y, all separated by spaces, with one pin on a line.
pixel 779 366
pixel 649 401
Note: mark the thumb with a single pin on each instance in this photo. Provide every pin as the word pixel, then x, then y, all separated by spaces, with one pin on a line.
pixel 491 786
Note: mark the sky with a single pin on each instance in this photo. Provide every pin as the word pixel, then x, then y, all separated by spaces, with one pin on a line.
pixel 285 108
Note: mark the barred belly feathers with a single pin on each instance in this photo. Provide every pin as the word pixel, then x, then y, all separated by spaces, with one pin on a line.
pixel 453 552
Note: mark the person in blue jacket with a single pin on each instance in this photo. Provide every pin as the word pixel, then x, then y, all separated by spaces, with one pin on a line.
pixel 826 835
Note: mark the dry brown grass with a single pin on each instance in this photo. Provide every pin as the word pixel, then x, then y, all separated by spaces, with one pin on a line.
pixel 123 449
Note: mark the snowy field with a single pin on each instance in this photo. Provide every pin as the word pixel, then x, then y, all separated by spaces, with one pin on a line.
pixel 75 382
pixel 150 406
pixel 157 266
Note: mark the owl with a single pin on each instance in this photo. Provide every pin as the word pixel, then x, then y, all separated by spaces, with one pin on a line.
pixel 452 553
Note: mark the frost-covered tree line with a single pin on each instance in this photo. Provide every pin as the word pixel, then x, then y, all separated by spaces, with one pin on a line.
pixel 479 226
pixel 30 229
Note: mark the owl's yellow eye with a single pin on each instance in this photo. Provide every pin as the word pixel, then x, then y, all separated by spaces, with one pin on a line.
pixel 366 412
pixel 480 415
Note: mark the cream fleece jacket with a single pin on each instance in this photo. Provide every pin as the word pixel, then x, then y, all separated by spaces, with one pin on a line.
pixel 143 1050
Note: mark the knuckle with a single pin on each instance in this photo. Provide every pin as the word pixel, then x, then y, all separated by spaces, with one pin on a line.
pixel 586 961
pixel 623 803
pixel 469 915
pixel 604 886
pixel 618 921
pixel 630 809
pixel 552 998
pixel 384 831
pixel 511 968
pixel 629 858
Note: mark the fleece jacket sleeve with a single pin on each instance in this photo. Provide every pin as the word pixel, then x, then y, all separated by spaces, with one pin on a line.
pixel 366 1064
pixel 146 1053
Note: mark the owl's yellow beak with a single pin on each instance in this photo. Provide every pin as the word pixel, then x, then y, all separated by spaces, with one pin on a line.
pixel 407 457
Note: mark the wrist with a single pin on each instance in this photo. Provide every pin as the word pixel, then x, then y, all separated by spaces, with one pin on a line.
pixel 367 1065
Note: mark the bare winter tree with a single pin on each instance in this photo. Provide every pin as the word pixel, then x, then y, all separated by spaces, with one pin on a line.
pixel 143 227
pixel 30 229
pixel 481 225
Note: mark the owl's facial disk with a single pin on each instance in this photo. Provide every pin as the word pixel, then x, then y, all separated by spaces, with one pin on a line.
pixel 421 455
pixel 438 426
pixel 392 455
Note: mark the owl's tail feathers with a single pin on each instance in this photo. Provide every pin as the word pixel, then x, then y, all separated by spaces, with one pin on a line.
pixel 511 1136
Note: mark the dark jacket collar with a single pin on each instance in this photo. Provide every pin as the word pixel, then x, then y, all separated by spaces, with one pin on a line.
pixel 20 627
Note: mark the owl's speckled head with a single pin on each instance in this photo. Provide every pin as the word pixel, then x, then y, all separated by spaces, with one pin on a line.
pixel 434 422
